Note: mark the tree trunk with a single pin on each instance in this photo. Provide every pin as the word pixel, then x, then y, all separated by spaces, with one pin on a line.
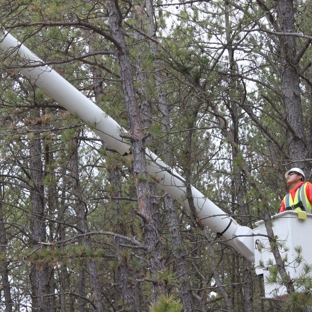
pixel 62 234
pixel 176 238
pixel 40 271
pixel 4 264
pixel 81 211
pixel 297 144
pixel 216 274
pixel 286 280
pixel 238 190
pixel 124 289
pixel 51 202
pixel 124 295
pixel 151 234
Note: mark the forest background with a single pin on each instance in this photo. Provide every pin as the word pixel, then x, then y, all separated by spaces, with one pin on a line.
pixel 219 90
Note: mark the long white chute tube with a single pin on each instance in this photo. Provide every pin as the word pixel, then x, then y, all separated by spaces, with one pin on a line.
pixel 32 67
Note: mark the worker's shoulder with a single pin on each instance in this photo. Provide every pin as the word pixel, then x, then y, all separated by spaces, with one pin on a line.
pixel 308 184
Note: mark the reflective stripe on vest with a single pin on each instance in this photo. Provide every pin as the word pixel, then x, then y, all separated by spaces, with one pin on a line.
pixel 300 196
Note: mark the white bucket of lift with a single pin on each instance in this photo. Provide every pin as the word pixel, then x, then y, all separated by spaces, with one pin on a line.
pixel 294 241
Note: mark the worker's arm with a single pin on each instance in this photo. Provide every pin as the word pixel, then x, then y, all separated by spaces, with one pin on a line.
pixel 309 192
pixel 282 208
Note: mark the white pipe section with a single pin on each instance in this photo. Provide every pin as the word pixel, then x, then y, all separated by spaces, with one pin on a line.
pixel 66 94
pixel 239 237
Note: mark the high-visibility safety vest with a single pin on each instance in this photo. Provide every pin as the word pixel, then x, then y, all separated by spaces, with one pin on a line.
pixel 300 202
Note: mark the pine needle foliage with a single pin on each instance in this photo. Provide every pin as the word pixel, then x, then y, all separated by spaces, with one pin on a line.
pixel 167 304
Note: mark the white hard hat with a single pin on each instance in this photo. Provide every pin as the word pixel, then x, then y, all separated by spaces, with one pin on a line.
pixel 298 170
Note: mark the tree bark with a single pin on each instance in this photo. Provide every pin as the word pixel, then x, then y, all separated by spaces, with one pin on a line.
pixel 216 274
pixel 62 234
pixel 124 295
pixel 40 271
pixel 4 271
pixel 297 143
pixel 151 234
pixel 238 190
pixel 177 243
pixel 82 212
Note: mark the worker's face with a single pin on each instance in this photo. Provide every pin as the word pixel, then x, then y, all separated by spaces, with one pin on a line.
pixel 293 178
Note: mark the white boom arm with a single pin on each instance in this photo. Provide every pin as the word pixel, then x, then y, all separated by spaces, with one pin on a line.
pixel 239 237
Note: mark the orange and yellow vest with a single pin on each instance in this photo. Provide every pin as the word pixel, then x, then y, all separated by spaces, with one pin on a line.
pixel 300 201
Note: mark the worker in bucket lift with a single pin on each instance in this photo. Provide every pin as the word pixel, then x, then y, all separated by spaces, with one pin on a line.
pixel 299 197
